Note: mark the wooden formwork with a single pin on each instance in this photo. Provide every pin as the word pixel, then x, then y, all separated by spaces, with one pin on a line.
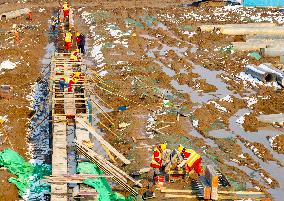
pixel 65 106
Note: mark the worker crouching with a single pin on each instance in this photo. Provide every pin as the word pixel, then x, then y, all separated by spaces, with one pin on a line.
pixel 191 160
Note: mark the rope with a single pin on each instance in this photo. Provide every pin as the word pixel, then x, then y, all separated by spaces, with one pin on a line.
pixel 127 99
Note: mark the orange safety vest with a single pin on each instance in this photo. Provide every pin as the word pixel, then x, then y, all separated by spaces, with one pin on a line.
pixel 193 156
pixel 68 37
pixel 156 158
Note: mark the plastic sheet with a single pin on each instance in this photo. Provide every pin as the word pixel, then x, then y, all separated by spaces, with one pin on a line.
pixel 100 184
pixel 29 175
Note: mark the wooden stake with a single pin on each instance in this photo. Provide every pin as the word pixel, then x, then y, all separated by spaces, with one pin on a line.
pixel 101 140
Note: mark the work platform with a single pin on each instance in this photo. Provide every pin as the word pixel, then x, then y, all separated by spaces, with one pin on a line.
pixel 66 103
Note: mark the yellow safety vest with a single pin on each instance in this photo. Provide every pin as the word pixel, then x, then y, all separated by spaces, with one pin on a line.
pixel 65 6
pixel 74 57
pixel 68 37
pixel 153 158
pixel 192 158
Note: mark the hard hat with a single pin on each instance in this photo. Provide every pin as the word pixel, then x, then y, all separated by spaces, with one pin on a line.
pixel 180 148
pixel 163 146
pixel 78 34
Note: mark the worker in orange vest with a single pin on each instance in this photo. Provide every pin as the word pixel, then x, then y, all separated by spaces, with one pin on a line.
pixel 30 16
pixel 66 8
pixel 157 158
pixel 68 40
pixel 75 55
pixel 191 160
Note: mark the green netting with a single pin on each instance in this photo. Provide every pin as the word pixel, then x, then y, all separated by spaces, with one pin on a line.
pixel 255 55
pixel 29 176
pixel 134 22
pixel 100 184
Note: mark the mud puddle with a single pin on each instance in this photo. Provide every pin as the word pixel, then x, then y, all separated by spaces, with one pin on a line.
pixel 276 171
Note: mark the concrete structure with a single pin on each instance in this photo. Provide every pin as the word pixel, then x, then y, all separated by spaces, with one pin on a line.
pixel 15 14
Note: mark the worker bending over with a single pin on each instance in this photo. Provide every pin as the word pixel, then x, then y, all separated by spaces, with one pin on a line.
pixel 74 56
pixel 66 8
pixel 191 160
pixel 80 39
pixel 68 40
pixel 157 157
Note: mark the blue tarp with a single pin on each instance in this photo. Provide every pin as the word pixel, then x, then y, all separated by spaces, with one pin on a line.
pixel 263 3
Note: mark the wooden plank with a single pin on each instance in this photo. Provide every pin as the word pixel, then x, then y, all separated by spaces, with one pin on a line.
pixel 242 192
pixel 177 191
pixel 180 196
pixel 212 178
pixel 101 140
pixel 105 168
pixel 205 188
pixel 59 158
pixel 69 104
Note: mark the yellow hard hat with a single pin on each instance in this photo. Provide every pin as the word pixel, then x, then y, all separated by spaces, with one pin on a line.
pixel 180 148
pixel 163 146
pixel 78 34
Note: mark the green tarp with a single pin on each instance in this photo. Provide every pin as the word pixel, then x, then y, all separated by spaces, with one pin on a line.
pixel 28 175
pixel 255 55
pixel 100 184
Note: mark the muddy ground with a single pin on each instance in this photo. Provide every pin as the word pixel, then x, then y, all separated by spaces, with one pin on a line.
pixel 146 52
pixel 147 55
pixel 27 54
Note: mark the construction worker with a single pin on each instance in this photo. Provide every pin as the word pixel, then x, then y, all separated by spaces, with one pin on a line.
pixel 30 16
pixel 157 157
pixel 80 39
pixel 68 40
pixel 54 23
pixel 75 55
pixel 63 82
pixel 75 76
pixel 66 8
pixel 191 160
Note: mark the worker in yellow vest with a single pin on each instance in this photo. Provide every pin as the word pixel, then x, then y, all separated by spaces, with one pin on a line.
pixel 68 40
pixel 191 160
pixel 75 55
pixel 66 8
